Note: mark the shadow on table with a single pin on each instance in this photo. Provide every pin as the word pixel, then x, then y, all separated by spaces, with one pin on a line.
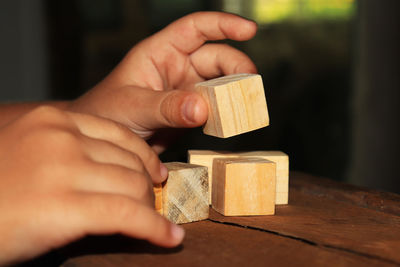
pixel 94 245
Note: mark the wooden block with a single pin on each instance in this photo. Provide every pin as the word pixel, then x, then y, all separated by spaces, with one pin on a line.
pixel 244 186
pixel 282 172
pixel 236 104
pixel 206 157
pixel 185 193
pixel 158 198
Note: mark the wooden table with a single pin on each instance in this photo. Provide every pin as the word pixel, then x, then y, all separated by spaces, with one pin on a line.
pixel 326 223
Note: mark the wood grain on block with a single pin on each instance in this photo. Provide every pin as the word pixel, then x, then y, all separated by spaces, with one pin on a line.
pixel 206 157
pixel 158 198
pixel 236 104
pixel 244 186
pixel 282 172
pixel 185 193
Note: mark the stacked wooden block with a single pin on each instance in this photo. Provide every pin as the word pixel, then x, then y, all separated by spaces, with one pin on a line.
pixel 206 157
pixel 235 184
pixel 243 186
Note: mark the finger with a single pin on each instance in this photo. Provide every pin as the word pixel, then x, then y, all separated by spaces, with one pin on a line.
pixel 190 32
pixel 116 179
pixel 106 152
pixel 104 129
pixel 175 108
pixel 214 60
pixel 112 214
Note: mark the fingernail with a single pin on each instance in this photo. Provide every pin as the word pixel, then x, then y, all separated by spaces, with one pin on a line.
pixel 190 110
pixel 163 171
pixel 177 232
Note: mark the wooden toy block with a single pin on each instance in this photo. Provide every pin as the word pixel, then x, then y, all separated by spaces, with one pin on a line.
pixel 206 157
pixel 243 186
pixel 236 104
pixel 282 172
pixel 158 198
pixel 184 196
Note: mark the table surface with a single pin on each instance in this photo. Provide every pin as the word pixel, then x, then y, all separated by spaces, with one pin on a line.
pixel 326 223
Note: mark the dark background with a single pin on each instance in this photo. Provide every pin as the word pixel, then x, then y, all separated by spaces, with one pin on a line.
pixel 331 76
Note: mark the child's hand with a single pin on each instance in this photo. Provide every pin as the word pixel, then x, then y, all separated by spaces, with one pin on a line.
pixel 174 58
pixel 65 175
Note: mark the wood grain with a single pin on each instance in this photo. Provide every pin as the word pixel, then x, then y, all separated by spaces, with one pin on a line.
pixel 330 223
pixel 206 157
pixel 244 186
pixel 212 244
pixel 185 193
pixel 360 196
pixel 236 104
pixel 317 228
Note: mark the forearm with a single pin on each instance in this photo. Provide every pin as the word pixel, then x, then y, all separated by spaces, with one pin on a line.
pixel 11 111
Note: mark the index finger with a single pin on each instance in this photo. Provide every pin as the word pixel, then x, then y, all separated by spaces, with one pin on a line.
pixel 119 135
pixel 190 32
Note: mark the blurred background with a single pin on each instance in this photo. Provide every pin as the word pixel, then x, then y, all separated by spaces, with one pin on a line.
pixel 330 71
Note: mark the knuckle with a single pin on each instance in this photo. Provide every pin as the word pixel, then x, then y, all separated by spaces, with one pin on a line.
pixel 121 131
pixel 41 110
pixel 124 132
pixel 168 106
pixel 171 106
pixel 45 115
pixel 42 120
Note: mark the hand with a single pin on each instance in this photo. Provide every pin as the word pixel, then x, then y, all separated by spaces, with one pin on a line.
pixel 174 58
pixel 65 175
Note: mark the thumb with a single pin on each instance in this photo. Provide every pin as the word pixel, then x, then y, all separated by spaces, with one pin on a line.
pixel 164 109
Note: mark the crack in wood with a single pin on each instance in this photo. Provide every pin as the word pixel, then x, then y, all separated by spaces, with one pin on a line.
pixel 306 241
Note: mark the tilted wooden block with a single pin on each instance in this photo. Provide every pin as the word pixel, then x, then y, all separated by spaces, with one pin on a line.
pixel 206 157
pixel 236 104
pixel 185 193
pixel 158 198
pixel 243 186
